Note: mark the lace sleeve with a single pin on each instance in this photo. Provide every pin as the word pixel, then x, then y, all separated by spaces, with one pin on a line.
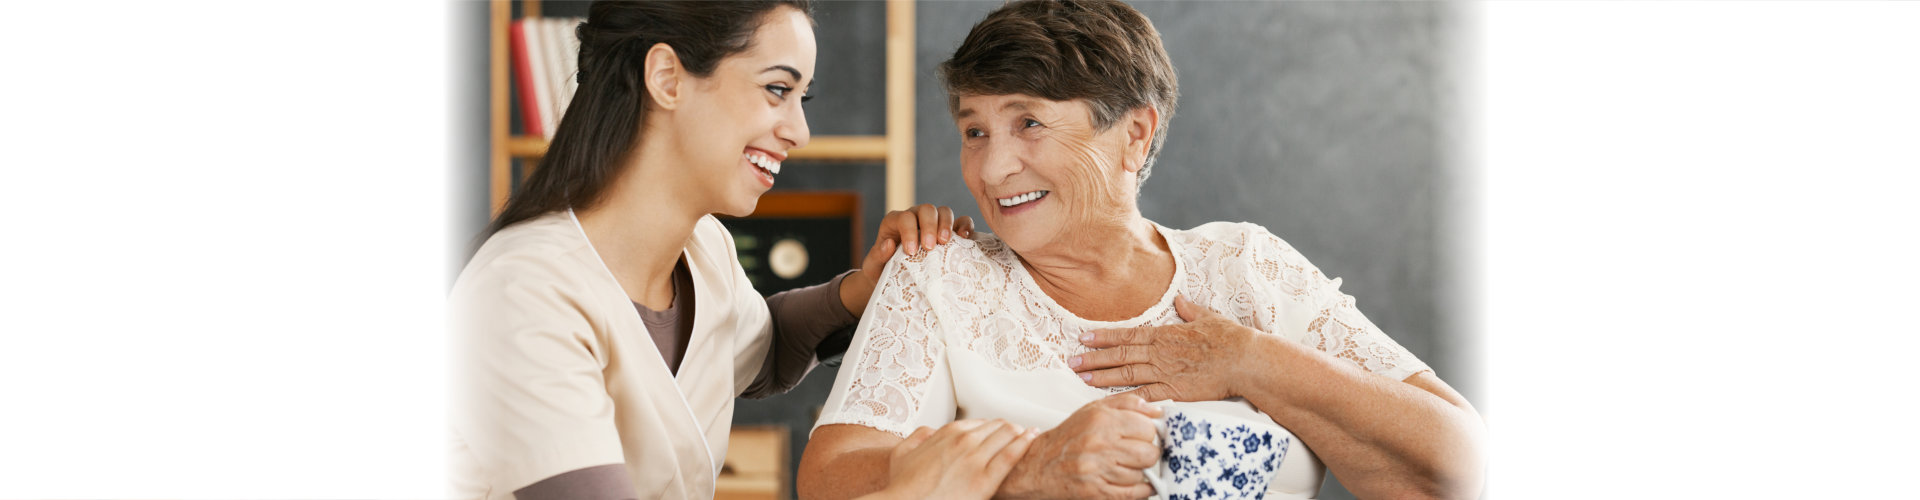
pixel 1322 316
pixel 895 377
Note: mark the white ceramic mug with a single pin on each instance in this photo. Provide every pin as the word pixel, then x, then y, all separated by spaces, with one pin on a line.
pixel 1206 454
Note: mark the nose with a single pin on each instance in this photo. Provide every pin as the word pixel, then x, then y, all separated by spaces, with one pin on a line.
pixel 999 161
pixel 793 130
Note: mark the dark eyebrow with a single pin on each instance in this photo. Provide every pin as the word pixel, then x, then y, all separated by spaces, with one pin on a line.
pixel 786 68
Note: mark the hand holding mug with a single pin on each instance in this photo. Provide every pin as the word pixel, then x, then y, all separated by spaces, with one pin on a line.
pixel 1102 450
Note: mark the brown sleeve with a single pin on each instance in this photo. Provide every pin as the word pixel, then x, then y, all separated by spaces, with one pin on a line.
pixel 600 482
pixel 802 317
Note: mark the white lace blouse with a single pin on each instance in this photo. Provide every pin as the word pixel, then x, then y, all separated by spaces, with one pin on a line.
pixel 962 331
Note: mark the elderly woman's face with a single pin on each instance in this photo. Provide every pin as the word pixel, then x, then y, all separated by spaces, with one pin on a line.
pixel 1040 171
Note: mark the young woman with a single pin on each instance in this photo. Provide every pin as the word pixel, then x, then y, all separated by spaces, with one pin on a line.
pixel 605 326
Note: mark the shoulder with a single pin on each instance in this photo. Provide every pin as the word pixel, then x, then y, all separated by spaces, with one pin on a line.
pixel 956 268
pixel 1249 250
pixel 963 257
pixel 543 238
pixel 1237 234
pixel 534 267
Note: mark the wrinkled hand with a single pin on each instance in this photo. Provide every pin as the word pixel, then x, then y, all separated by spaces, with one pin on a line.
pixel 1198 360
pixel 1101 451
pixel 964 459
pixel 918 229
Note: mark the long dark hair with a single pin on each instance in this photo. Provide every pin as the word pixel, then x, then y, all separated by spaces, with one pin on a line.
pixel 607 110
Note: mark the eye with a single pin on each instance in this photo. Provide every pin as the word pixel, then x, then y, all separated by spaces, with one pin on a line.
pixel 974 132
pixel 1029 123
pixel 806 97
pixel 781 91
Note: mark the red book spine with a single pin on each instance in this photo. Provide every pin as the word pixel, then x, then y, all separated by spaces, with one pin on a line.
pixel 523 75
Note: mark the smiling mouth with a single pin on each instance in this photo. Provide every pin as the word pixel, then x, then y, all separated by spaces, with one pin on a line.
pixel 765 163
pixel 1022 198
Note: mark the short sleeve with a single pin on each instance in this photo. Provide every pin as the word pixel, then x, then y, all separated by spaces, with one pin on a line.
pixel 532 401
pixel 1319 315
pixel 895 377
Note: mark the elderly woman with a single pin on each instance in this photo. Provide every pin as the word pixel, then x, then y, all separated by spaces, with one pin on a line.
pixel 1079 310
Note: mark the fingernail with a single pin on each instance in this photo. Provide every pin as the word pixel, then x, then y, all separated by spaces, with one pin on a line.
pixel 946 234
pixel 1033 432
pixel 1087 377
pixel 1086 337
pixel 912 248
pixel 1073 362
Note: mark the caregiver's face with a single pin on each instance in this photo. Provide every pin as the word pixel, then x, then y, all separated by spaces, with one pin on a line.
pixel 1040 171
pixel 748 113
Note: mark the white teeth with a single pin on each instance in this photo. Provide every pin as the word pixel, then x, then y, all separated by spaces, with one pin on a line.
pixel 762 161
pixel 1021 198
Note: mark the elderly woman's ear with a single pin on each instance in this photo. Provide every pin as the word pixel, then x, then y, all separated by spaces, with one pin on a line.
pixel 1141 124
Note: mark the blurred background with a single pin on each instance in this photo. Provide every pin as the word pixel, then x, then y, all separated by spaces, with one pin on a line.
pixel 1332 124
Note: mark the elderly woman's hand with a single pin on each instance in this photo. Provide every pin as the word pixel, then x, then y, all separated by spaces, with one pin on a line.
pixel 1102 450
pixel 1198 360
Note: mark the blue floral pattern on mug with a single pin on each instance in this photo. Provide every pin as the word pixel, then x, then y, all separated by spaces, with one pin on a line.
pixel 1229 462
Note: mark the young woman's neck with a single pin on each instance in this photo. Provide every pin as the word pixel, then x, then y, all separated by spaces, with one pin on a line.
pixel 641 224
pixel 1106 273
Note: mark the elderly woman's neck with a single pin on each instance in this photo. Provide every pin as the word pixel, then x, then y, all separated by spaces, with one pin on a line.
pixel 1105 274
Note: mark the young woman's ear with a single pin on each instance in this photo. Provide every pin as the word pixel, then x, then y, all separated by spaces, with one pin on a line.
pixel 663 76
pixel 1140 124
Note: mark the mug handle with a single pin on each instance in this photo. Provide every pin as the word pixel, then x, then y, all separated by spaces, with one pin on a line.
pixel 1157 475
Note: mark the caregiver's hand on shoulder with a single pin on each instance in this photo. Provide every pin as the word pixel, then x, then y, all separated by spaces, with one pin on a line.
pixel 918 229
pixel 964 459
pixel 1198 360
pixel 1101 451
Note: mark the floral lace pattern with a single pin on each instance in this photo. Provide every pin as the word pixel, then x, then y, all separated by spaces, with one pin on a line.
pixel 897 358
pixel 975 295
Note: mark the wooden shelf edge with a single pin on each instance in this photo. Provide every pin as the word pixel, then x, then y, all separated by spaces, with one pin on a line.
pixel 823 148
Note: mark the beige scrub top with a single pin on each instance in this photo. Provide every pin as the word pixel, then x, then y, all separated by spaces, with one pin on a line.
pixel 556 372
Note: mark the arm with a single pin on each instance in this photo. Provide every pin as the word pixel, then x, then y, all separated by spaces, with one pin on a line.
pixel 964 459
pixel 601 482
pixel 802 317
pixel 1383 438
pixel 1100 451
pixel 531 403
pixel 845 461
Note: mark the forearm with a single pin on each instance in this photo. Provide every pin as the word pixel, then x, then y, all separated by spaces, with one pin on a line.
pixel 1020 482
pixel 853 473
pixel 856 288
pixel 801 319
pixel 1382 438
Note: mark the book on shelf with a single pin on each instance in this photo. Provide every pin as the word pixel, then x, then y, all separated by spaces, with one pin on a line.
pixel 545 54
pixel 523 77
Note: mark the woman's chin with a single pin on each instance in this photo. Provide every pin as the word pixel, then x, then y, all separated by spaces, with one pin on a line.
pixel 742 209
pixel 1019 239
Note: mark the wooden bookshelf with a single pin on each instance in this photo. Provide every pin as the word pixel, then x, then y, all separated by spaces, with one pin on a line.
pixel 895 148
pixel 820 148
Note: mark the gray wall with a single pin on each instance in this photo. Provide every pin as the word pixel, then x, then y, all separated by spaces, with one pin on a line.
pixel 1328 123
